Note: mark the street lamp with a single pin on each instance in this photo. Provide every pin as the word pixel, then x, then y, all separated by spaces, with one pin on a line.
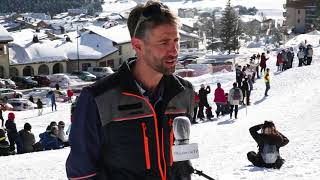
pixel 78 49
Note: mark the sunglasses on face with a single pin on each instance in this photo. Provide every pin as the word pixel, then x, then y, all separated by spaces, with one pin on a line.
pixel 149 12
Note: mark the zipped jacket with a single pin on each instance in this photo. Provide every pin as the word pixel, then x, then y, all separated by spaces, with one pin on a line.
pixel 118 133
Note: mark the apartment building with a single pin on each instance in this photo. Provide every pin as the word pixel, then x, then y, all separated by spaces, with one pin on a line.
pixel 300 15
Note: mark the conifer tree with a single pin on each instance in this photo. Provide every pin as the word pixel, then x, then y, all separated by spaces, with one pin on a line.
pixel 230 28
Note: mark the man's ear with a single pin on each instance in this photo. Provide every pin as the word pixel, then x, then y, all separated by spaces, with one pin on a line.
pixel 137 44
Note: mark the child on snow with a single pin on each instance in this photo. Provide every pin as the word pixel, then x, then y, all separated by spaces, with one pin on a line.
pixel 4 145
pixel 269 141
pixel 13 135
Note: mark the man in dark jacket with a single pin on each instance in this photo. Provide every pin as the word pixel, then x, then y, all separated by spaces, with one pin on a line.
pixel 27 138
pixel 203 99
pixel 269 142
pixel 122 128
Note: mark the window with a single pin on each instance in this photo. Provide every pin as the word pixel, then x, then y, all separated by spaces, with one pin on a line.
pixel 110 63
pixel 1 50
pixel 298 11
pixel 298 20
pixel 120 50
pixel 85 66
pixel 120 61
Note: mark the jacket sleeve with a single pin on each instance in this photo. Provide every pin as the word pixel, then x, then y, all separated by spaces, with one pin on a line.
pixel 85 139
pixel 254 133
pixel 285 140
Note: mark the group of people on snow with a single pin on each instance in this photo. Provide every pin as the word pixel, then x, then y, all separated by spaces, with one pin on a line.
pixel 23 141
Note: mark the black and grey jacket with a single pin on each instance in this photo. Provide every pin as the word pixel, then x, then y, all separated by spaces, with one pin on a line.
pixel 118 133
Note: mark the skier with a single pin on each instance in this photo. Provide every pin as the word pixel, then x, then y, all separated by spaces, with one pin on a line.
pixel 40 107
pixel 301 56
pixel 239 75
pixel 269 142
pixel 309 54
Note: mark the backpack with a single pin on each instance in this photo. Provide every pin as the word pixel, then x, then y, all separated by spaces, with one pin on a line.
pixel 269 153
pixel 236 94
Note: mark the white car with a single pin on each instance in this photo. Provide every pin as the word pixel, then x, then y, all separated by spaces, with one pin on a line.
pixel 6 93
pixel 21 104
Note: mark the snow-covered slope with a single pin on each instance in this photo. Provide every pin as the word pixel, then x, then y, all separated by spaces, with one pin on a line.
pixel 293 105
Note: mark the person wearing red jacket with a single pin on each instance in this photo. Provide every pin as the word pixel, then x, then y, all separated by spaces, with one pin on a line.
pixel 219 99
pixel 69 94
pixel 263 61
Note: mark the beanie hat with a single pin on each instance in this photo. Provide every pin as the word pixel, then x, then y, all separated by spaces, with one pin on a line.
pixel 11 116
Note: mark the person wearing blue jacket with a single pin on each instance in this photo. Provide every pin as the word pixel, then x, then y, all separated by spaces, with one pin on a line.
pixel 122 125
pixel 49 140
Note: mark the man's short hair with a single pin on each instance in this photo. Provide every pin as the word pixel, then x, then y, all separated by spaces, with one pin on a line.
pixel 148 16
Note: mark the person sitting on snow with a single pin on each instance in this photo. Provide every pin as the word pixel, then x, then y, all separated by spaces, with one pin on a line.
pixel 4 145
pixel 50 140
pixel 269 141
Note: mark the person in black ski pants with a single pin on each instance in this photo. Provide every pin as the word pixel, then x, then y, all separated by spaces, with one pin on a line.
pixel 203 100
pixel 269 142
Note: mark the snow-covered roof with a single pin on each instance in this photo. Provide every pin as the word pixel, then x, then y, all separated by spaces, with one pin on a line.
pixel 189 34
pixel 4 35
pixel 119 34
pixel 26 35
pixel 91 46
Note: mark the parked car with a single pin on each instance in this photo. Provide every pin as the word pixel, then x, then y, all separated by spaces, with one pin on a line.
pixel 42 80
pixel 6 94
pixel 84 75
pixel 39 93
pixel 2 83
pixel 20 104
pixel 10 84
pixel 24 82
pixel 100 72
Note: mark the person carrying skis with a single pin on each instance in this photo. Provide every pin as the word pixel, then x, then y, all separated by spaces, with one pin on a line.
pixel 269 142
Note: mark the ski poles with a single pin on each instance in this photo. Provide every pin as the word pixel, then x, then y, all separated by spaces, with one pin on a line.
pixel 200 173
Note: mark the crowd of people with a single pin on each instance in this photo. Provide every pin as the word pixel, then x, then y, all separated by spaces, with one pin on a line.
pixel 23 141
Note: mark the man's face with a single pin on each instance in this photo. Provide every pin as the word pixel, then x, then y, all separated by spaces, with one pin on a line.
pixel 160 49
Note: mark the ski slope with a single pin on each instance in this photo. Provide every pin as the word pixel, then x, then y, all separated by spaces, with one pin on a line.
pixel 293 105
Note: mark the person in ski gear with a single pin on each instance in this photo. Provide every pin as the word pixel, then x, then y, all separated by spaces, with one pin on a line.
pixel 203 97
pixel 234 98
pixel 219 99
pixel 279 61
pixel 13 135
pixel 182 170
pixel 309 54
pixel 269 142
pixel 62 137
pixel 27 138
pixel 4 145
pixel 239 75
pixel 52 96
pixel 266 78
pixel 196 107
pixel 40 107
pixel 2 108
pixel 49 140
pixel 301 56
pixel 245 88
pixel 122 126
pixel 263 63
pixel 69 94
